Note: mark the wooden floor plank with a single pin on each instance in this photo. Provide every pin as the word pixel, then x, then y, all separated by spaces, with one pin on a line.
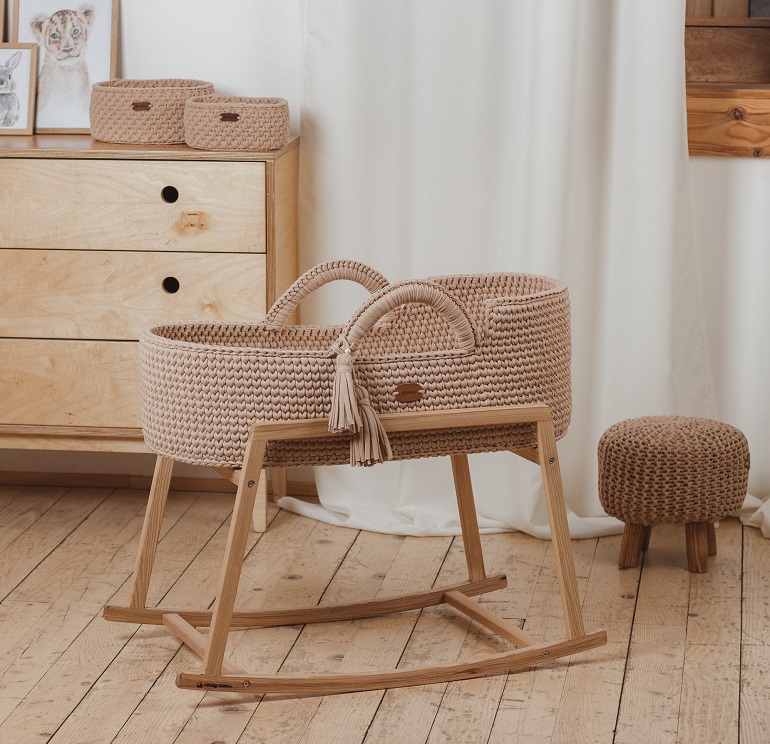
pixel 285 578
pixel 588 708
pixel 281 551
pixel 756 580
pixel 440 636
pixel 527 709
pixel 94 562
pixel 136 657
pixel 710 700
pixel 697 645
pixel 21 508
pixel 755 639
pixel 653 684
pixel 372 643
pixel 40 530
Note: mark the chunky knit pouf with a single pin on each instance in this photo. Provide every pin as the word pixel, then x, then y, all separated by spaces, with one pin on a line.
pixel 672 469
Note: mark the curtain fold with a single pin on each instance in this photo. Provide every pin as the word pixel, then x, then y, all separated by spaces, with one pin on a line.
pixel 450 136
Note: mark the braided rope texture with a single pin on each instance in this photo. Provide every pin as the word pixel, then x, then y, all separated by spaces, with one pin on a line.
pixel 142 112
pixel 672 470
pixel 204 384
pixel 236 123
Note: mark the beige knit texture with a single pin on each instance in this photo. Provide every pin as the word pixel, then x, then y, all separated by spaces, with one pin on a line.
pixel 505 341
pixel 672 469
pixel 236 123
pixel 142 112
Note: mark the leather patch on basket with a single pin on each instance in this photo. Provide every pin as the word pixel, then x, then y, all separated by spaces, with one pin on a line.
pixel 408 392
pixel 229 117
pixel 141 105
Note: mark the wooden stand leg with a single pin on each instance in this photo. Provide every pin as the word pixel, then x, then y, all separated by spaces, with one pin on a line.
pixel 696 536
pixel 259 513
pixel 468 520
pixel 632 545
pixel 278 482
pixel 711 534
pixel 560 537
pixel 148 542
pixel 233 559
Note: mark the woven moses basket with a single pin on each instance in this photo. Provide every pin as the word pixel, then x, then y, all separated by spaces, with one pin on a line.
pixel 443 343
pixel 143 112
pixel 236 123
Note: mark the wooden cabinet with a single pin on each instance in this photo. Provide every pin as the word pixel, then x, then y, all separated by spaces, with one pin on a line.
pixel 98 241
pixel 727 55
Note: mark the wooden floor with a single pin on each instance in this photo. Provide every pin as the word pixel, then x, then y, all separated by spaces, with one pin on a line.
pixel 688 658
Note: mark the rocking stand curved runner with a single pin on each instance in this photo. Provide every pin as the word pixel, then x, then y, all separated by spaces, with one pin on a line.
pixel 221 674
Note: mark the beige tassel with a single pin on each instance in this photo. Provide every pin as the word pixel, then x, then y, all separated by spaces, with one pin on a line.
pixel 344 416
pixel 370 444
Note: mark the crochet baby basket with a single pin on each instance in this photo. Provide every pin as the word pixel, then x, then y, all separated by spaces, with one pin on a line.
pixel 447 342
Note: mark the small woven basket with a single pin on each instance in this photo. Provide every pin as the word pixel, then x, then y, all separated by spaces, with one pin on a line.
pixel 143 112
pixel 235 123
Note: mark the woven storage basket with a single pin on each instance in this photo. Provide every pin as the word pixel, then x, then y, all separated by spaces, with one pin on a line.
pixel 144 112
pixel 447 342
pixel 233 123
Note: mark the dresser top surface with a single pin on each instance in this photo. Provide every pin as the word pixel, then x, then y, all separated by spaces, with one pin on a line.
pixel 85 146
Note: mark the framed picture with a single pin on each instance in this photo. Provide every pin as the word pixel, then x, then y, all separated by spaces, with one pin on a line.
pixel 77 45
pixel 18 78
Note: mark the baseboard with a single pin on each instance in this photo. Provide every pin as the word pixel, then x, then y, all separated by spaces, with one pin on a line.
pixel 298 489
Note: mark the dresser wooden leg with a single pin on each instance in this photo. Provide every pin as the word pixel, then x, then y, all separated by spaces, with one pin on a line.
pixel 696 536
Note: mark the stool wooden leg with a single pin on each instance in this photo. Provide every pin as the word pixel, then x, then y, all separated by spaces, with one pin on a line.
pixel 696 536
pixel 631 547
pixel 646 536
pixel 711 533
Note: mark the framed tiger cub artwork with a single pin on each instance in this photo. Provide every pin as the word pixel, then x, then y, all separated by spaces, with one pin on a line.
pixel 77 43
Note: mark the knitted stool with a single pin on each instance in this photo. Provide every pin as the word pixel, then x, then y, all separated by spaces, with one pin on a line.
pixel 672 470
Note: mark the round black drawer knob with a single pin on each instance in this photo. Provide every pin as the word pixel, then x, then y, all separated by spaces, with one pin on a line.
pixel 169 194
pixel 170 285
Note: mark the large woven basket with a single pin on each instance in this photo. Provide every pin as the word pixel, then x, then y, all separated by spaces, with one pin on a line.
pixel 447 342
pixel 236 123
pixel 144 112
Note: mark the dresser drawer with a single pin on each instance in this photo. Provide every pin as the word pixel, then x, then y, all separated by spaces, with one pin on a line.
pixel 132 205
pixel 69 383
pixel 113 295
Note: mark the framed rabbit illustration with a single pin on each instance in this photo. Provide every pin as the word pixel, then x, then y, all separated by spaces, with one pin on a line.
pixel 77 43
pixel 18 78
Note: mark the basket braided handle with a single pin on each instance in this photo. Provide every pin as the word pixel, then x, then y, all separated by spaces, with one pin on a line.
pixel 353 271
pixel 402 293
pixel 351 409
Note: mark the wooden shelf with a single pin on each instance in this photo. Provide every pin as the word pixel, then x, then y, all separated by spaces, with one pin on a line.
pixel 729 119
pixel 728 86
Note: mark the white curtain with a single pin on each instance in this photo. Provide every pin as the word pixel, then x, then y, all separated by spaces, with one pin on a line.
pixel 458 136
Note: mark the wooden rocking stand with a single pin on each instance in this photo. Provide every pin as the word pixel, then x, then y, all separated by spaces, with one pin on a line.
pixel 222 675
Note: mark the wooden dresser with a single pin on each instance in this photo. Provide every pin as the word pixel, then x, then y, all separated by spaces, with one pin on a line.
pixel 98 241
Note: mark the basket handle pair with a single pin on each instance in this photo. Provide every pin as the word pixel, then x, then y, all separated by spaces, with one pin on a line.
pixel 313 279
pixel 385 297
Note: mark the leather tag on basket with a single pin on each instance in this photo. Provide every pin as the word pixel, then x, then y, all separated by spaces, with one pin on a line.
pixel 141 105
pixel 408 392
pixel 228 117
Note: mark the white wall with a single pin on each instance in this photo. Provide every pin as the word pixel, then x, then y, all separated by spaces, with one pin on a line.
pixel 245 48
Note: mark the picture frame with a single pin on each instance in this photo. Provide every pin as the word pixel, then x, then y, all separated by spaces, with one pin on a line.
pixel 77 47
pixel 18 81
pixel 2 21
